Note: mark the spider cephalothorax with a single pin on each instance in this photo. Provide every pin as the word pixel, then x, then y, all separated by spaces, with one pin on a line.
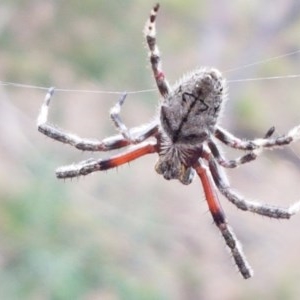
pixel 184 137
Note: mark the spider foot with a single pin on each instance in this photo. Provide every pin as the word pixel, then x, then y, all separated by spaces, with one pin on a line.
pixel 294 208
pixel 269 133
pixel 115 116
pixel 43 115
pixel 294 133
pixel 83 168
pixel 236 251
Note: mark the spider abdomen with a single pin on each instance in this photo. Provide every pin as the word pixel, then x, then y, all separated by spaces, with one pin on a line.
pixel 190 112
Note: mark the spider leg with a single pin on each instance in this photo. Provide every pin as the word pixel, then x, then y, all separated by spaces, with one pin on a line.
pixel 220 220
pixel 126 133
pixel 248 157
pixel 93 165
pixel 233 163
pixel 267 142
pixel 154 55
pixel 139 134
pixel 240 202
pixel 115 116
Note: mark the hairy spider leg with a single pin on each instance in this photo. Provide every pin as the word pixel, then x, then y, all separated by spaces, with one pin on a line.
pixel 126 133
pixel 263 143
pixel 115 116
pixel 233 163
pixel 154 55
pixel 220 220
pixel 93 165
pixel 138 134
pixel 240 202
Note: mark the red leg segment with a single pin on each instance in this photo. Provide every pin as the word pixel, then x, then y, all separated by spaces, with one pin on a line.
pixel 220 220
pixel 92 165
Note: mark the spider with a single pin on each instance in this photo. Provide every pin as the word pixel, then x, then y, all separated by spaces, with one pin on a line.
pixel 184 137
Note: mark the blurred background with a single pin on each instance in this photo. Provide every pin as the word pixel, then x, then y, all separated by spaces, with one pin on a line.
pixel 127 233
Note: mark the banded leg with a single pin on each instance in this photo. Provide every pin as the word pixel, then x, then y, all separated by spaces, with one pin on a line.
pixel 260 143
pixel 130 134
pixel 115 116
pixel 138 134
pixel 233 163
pixel 248 157
pixel 219 219
pixel 154 55
pixel 240 202
pixel 93 165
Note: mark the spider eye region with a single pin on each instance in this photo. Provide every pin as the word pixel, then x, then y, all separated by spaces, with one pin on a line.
pixel 191 111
